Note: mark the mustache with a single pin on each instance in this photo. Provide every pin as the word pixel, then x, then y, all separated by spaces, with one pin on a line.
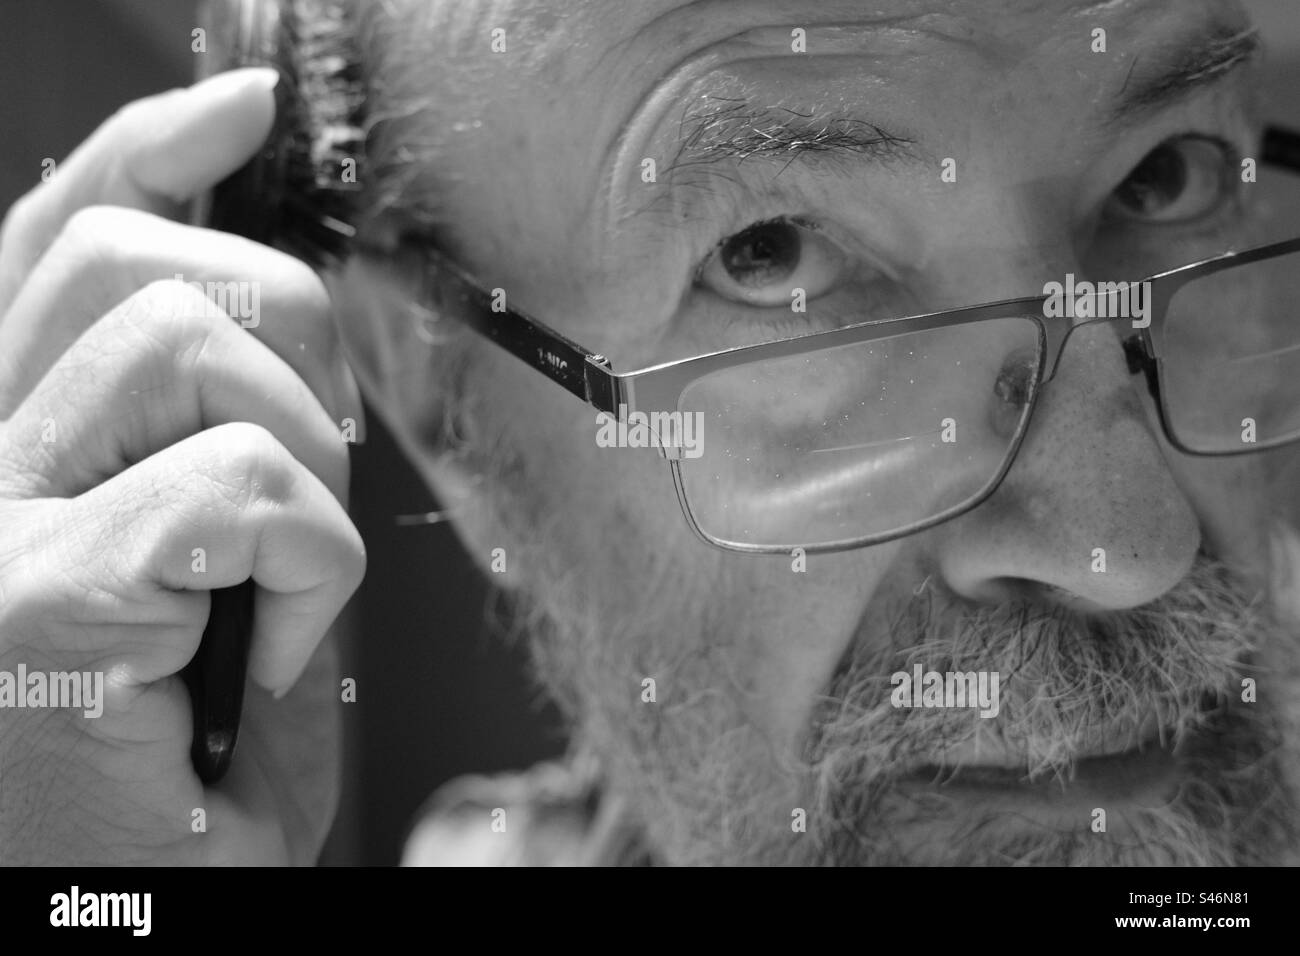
pixel 1071 683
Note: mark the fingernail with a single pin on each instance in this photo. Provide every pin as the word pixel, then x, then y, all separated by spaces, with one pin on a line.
pixel 236 82
pixel 206 134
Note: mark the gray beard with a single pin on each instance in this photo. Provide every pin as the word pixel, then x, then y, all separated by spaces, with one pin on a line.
pixel 1179 661
pixel 696 776
pixel 1235 808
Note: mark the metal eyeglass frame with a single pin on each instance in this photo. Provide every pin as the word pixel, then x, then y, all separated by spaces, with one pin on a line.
pixel 590 376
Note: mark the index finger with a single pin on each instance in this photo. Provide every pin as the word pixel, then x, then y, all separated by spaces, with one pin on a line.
pixel 153 154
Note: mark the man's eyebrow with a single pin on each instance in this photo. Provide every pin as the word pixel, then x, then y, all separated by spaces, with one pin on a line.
pixel 737 129
pixel 1209 61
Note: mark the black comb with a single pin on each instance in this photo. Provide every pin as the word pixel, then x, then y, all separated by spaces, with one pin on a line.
pixel 293 195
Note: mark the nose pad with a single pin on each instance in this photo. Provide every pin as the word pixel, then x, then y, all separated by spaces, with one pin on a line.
pixel 1138 359
pixel 1135 355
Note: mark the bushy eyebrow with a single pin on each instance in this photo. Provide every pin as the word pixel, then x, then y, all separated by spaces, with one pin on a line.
pixel 1208 61
pixel 726 128
pixel 715 129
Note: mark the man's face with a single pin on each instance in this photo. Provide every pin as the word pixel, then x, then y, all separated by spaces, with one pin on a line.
pixel 965 152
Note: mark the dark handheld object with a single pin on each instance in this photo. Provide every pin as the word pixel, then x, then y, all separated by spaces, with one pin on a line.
pixel 215 677
pixel 291 195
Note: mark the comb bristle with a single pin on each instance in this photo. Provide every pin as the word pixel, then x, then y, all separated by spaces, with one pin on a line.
pixel 300 192
pixel 323 185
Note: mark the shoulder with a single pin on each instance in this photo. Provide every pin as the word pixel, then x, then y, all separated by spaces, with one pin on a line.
pixel 553 814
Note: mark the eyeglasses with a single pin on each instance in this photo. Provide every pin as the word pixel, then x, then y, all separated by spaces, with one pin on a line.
pixel 862 434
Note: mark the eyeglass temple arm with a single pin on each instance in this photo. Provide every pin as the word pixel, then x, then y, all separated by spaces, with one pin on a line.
pixel 582 372
pixel 1282 148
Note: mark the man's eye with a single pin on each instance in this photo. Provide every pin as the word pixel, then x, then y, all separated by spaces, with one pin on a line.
pixel 764 263
pixel 1178 181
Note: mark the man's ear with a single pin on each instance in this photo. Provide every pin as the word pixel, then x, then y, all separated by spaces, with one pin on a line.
pixel 396 349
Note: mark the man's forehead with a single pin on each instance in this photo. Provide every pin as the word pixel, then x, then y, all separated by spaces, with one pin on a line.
pixel 594 86
pixel 684 23
pixel 623 50
pixel 641 12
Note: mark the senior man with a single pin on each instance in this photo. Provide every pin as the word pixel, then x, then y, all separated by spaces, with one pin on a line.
pixel 988 585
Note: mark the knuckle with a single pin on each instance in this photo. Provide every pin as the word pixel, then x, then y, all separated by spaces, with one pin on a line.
pixel 151 338
pixel 170 312
pixel 177 294
pixel 88 250
pixel 95 231
pixel 88 223
pixel 254 466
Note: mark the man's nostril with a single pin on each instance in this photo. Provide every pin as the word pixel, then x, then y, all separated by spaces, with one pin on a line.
pixel 1010 589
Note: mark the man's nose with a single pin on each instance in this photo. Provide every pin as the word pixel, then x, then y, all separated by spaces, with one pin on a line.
pixel 1089 516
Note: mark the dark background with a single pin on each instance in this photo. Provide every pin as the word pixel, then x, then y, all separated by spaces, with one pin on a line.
pixel 439 693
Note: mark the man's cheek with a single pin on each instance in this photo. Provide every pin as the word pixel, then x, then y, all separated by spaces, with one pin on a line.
pixel 1230 500
pixel 783 621
pixel 802 614
pixel 617 507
